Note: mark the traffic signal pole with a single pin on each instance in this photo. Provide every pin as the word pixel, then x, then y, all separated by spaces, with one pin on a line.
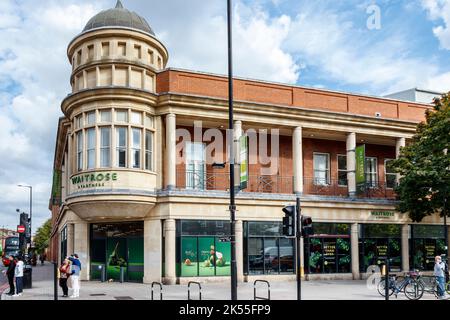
pixel 297 249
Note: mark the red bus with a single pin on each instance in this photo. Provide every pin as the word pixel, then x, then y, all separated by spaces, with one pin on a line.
pixel 11 247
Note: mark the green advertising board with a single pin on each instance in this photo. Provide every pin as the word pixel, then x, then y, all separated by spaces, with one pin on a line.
pixel 360 155
pixel 243 156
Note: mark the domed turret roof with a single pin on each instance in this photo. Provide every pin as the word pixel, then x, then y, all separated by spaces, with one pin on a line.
pixel 118 17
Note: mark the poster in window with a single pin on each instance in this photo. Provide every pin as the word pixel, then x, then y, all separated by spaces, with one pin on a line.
pixel 189 259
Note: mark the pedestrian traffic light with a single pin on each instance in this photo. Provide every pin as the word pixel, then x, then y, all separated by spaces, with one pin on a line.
pixel 307 226
pixel 289 221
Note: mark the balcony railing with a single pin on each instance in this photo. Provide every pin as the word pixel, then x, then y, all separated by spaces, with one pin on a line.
pixel 202 180
pixel 220 181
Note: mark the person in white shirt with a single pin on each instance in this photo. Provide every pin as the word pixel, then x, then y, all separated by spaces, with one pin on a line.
pixel 18 273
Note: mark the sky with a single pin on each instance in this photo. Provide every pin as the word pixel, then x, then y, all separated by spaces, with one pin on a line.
pixel 371 47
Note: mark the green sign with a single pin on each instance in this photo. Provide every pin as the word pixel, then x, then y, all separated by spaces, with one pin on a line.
pixel 93 180
pixel 243 151
pixel 56 187
pixel 382 214
pixel 360 174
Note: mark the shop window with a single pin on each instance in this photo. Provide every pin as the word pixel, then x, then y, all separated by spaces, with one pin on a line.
pixel 371 172
pixel 121 147
pixel 266 251
pixel 378 242
pixel 390 175
pixel 328 250
pixel 426 243
pixel 63 243
pixel 342 170
pixel 203 250
pixel 321 168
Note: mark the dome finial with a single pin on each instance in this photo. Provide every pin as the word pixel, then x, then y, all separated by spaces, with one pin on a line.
pixel 119 5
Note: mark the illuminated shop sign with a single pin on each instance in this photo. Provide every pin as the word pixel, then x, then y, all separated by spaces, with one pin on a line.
pixel 93 180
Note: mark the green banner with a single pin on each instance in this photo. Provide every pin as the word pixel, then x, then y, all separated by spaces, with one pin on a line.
pixel 360 155
pixel 243 152
pixel 56 187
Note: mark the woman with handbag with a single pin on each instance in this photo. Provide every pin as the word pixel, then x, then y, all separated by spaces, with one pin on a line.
pixel 64 272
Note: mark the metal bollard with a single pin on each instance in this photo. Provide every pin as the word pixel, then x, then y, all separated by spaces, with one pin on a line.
pixel 55 281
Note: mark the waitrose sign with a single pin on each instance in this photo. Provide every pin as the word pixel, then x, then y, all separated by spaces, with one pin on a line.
pixel 93 180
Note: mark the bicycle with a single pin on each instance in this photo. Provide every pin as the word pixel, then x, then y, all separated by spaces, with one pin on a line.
pixel 412 288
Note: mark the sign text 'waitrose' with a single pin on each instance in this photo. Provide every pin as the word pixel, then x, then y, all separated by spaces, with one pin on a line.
pixel 93 180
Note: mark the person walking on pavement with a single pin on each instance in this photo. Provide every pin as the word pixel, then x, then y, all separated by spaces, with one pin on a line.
pixel 10 274
pixel 75 275
pixel 18 272
pixel 42 258
pixel 439 273
pixel 64 274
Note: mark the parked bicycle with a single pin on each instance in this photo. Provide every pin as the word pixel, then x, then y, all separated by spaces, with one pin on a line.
pixel 408 284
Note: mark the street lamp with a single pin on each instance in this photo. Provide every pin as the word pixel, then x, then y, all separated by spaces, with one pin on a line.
pixel 232 206
pixel 31 203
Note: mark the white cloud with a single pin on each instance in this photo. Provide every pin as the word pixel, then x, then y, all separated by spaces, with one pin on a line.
pixel 439 11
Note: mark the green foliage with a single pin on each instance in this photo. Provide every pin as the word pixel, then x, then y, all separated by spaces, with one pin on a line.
pixel 424 165
pixel 42 237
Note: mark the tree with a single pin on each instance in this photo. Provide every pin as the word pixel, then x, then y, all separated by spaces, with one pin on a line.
pixel 424 165
pixel 42 237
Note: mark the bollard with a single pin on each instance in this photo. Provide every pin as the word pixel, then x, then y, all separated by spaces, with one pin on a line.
pixel 386 279
pixel 55 281
pixel 102 272
pixel 122 274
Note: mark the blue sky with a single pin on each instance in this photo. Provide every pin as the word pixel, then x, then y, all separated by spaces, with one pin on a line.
pixel 319 43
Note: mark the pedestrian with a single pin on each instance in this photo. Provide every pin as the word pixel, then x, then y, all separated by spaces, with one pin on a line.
pixel 10 274
pixel 439 273
pixel 18 272
pixel 42 258
pixel 64 274
pixel 75 275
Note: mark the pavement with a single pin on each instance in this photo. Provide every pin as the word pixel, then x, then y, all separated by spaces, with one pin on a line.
pixel 3 279
pixel 279 290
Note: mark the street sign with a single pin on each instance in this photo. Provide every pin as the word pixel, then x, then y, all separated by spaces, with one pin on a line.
pixel 20 229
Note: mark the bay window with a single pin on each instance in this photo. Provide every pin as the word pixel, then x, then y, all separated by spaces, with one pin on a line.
pixel 80 150
pixel 148 150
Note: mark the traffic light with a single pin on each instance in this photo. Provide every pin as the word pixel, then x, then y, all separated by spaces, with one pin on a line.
pixel 307 226
pixel 289 221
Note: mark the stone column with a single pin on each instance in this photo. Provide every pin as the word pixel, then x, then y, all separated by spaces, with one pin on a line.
pixel 239 251
pixel 355 251
pixel 152 251
pixel 351 163
pixel 400 143
pixel 81 247
pixel 170 249
pixel 405 247
pixel 170 156
pixel 297 160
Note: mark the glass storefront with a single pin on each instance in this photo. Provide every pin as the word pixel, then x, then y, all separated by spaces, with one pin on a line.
pixel 63 244
pixel 118 246
pixel 377 242
pixel 266 250
pixel 426 242
pixel 203 248
pixel 328 249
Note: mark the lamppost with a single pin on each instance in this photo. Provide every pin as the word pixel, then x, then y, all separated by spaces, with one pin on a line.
pixel 31 205
pixel 232 206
